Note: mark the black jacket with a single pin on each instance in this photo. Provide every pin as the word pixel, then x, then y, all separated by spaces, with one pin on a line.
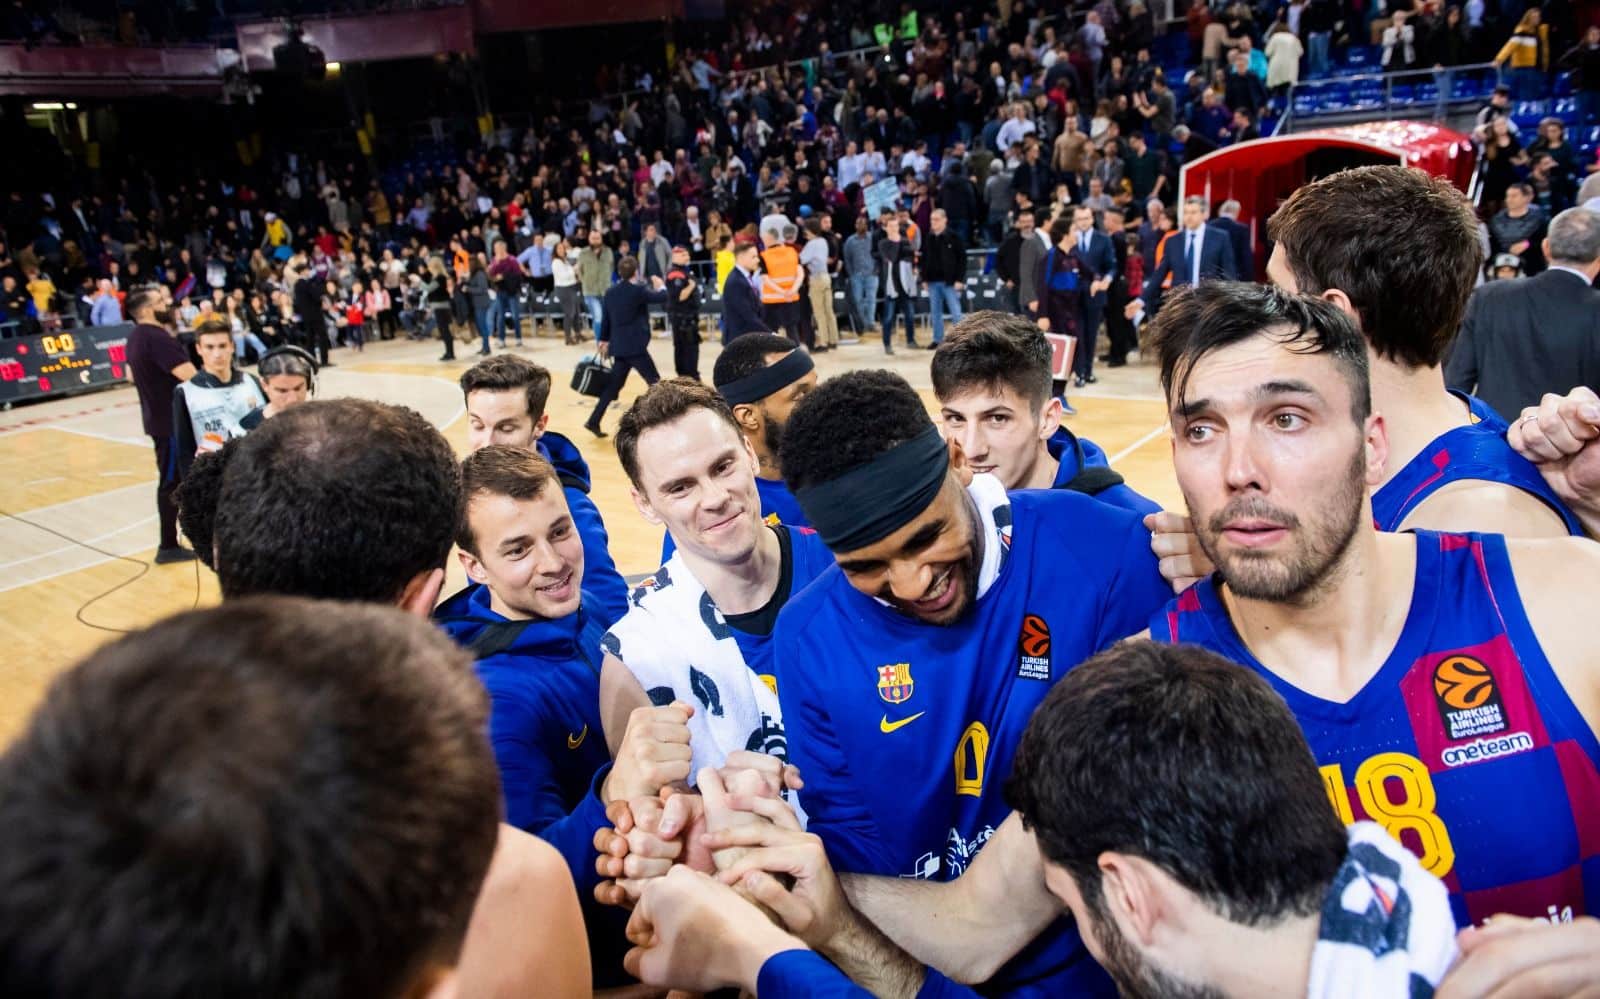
pixel 943 257
pixel 1525 337
pixel 741 307
pixel 625 317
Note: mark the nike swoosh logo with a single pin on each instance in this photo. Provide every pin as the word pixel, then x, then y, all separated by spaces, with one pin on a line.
pixel 886 726
pixel 574 741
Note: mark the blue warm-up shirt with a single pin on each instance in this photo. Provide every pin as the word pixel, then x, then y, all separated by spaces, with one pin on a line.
pixel 1083 467
pixel 805 974
pixel 543 681
pixel 905 731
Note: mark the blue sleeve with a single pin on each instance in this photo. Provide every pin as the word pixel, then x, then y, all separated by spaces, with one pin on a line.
pixel 802 973
pixel 667 547
pixel 603 334
pixel 834 808
pixel 573 835
pixel 806 973
pixel 600 576
pixel 1135 590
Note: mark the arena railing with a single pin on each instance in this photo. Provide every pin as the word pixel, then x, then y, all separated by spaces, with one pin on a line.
pixel 1435 93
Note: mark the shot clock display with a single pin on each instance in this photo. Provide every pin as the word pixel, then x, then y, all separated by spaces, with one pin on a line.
pixel 32 367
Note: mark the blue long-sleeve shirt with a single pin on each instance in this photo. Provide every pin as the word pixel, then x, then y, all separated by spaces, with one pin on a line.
pixel 600 576
pixel 805 974
pixel 543 681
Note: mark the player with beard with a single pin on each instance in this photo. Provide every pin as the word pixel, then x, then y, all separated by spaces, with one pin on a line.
pixel 700 629
pixel 957 606
pixel 1467 638
pixel 505 398
pixel 763 376
pixel 992 377
pixel 535 636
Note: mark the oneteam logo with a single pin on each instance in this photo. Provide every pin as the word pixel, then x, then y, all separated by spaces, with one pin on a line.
pixel 1488 748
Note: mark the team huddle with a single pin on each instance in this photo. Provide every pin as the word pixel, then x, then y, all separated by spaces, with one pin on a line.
pixel 910 708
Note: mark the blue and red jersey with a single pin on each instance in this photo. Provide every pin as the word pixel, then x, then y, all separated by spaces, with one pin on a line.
pixel 1464 744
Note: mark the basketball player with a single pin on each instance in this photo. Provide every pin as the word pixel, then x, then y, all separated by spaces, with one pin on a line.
pixel 373 520
pixel 1469 639
pixel 536 637
pixel 220 805
pixel 992 378
pixel 762 376
pixel 943 606
pixel 1397 250
pixel 505 398
pixel 1219 872
pixel 700 630
pixel 1559 436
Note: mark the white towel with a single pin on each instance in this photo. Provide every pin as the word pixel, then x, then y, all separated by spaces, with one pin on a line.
pixel 1387 930
pixel 676 643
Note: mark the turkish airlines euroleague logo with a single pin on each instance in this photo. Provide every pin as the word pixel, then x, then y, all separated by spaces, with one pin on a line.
pixel 1033 649
pixel 1469 701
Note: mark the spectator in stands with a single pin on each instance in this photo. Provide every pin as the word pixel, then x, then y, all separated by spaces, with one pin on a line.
pixel 506 276
pixel 1519 229
pixel 1502 155
pixel 1143 169
pixel 1245 90
pixel 1283 59
pixel 815 258
pixel 106 310
pixel 1399 44
pixel 1564 170
pixel 1521 339
pixel 1527 55
pixel 1318 22
pixel 1583 59
pixel 1499 106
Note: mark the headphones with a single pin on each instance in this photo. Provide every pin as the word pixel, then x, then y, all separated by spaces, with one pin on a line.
pixel 295 361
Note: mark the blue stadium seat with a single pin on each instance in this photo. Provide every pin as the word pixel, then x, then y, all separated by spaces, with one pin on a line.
pixel 1566 108
pixel 1528 114
pixel 1563 85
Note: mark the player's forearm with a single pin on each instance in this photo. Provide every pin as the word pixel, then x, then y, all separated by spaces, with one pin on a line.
pixel 872 961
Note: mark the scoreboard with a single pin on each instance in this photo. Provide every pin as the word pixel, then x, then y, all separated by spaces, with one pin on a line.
pixel 32 367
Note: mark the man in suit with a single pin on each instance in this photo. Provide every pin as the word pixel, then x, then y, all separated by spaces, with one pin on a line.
pixel 1525 337
pixel 1238 236
pixel 1196 253
pixel 741 299
pixel 625 334
pixel 1095 253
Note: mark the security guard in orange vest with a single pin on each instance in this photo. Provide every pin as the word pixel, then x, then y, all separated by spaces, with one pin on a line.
pixel 780 285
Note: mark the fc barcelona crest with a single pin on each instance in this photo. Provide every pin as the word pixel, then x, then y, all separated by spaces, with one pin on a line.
pixel 894 683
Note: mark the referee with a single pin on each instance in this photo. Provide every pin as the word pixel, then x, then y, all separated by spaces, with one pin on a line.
pixel 159 364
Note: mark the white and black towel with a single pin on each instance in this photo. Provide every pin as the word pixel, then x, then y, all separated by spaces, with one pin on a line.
pixel 676 643
pixel 1387 931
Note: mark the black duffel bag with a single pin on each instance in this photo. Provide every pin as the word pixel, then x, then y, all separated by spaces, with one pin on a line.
pixel 591 376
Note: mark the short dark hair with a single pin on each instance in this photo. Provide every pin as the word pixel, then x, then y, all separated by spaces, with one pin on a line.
pixel 499 470
pixel 198 495
pixel 1198 320
pixel 344 499
pixel 992 349
pixel 505 372
pixel 273 797
pixel 1060 226
pixel 627 267
pixel 747 353
pixel 849 420
pixel 1402 245
pixel 662 403
pixel 1176 755
pixel 211 327
pixel 143 298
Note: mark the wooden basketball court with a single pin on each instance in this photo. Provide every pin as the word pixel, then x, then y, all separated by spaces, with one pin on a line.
pixel 77 489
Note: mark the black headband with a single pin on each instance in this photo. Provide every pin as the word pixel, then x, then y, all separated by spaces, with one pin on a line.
pixel 872 501
pixel 769 380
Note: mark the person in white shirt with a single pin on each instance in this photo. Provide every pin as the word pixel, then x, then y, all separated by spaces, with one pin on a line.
pixel 819 285
pixel 1018 127
pixel 851 164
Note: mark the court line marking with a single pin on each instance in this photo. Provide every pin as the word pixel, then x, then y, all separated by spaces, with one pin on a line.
pixel 41 482
pixel 69 548
pixel 1136 445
